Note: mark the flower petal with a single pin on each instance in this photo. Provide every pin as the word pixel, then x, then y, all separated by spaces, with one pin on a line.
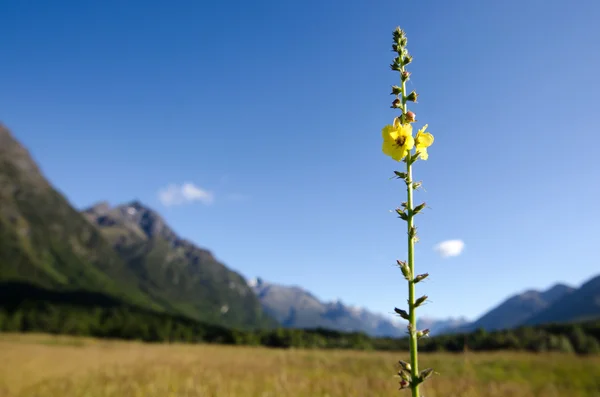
pixel 385 132
pixel 387 148
pixel 424 139
pixel 410 142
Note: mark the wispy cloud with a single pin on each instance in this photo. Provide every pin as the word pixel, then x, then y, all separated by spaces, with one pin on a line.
pixel 185 193
pixel 450 248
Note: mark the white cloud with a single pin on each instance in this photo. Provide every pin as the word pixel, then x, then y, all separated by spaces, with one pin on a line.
pixel 184 194
pixel 450 248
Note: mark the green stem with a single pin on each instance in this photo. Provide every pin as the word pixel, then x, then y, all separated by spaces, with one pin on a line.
pixel 411 285
pixel 411 265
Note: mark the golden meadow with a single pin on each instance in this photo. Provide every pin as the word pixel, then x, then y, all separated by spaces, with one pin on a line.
pixel 38 365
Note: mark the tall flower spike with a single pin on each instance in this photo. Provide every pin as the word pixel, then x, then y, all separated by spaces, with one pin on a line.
pixel 398 143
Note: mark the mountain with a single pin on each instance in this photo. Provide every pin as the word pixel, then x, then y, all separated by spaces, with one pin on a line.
pixel 186 279
pixel 517 309
pixel 126 255
pixel 46 242
pixel 580 305
pixel 294 307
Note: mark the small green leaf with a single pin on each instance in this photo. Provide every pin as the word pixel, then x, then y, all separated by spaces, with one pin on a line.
pixel 419 208
pixel 421 277
pixel 420 301
pixel 402 313
pixel 400 175
pixel 402 214
pixel 426 373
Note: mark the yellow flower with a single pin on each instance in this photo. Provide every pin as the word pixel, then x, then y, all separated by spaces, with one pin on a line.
pixel 397 140
pixel 422 141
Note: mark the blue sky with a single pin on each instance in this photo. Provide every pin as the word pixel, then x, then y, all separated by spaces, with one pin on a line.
pixel 271 112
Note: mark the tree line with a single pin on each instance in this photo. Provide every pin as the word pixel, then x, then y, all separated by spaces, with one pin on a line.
pixel 130 323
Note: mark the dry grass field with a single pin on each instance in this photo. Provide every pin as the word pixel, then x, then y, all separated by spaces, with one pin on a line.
pixel 51 366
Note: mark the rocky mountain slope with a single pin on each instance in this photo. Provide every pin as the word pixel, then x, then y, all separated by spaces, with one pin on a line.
pixel 183 277
pixel 46 242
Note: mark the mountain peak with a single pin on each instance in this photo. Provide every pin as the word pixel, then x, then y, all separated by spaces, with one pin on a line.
pixel 556 292
pixel 256 282
pixel 134 215
pixel 15 156
pixel 100 208
pixel 148 220
pixel 578 304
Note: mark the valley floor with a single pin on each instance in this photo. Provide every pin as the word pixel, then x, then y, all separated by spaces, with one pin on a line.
pixel 53 366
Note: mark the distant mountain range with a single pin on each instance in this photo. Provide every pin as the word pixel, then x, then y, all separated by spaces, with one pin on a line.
pixel 127 253
pixel 515 310
pixel 294 307
pixel 560 303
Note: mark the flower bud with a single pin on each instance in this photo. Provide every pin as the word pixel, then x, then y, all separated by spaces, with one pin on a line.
pixel 404 375
pixel 407 59
pixel 410 117
pixel 395 66
pixel 424 333
pixel 405 75
pixel 396 90
pixel 397 104
pixel 404 384
pixel 405 366
pixel 404 268
pixel 412 97
pixel 398 33
pixel 412 232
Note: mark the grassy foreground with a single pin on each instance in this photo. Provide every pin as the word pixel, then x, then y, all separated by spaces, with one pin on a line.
pixel 53 366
